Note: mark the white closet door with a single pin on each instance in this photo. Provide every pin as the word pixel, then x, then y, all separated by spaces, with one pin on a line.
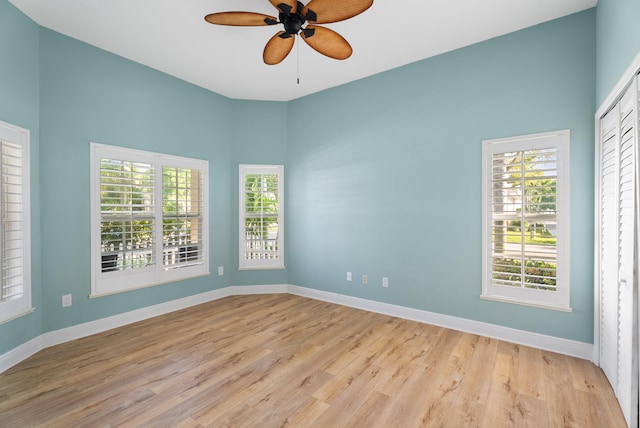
pixel 609 138
pixel 618 243
pixel 627 306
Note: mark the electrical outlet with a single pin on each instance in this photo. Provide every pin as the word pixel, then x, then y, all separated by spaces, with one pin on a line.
pixel 385 282
pixel 365 279
pixel 348 276
pixel 67 300
pixel 220 270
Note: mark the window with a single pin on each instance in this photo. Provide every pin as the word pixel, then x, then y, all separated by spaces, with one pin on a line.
pixel 149 218
pixel 15 238
pixel 261 217
pixel 526 220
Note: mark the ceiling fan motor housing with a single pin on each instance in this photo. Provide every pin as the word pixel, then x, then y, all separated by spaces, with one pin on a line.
pixel 292 20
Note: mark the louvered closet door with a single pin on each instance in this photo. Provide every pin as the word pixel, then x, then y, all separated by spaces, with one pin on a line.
pixel 609 246
pixel 618 217
pixel 627 317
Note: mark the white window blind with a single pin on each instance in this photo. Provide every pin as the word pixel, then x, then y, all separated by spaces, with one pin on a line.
pixel 182 210
pixel 15 287
pixel 525 207
pixel 151 213
pixel 261 216
pixel 127 191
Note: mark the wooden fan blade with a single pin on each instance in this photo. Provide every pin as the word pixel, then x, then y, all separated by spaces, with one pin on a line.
pixel 248 19
pixel 278 48
pixel 327 42
pixel 289 5
pixel 326 11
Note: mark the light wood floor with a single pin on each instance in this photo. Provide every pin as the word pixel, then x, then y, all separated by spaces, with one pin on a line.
pixel 283 360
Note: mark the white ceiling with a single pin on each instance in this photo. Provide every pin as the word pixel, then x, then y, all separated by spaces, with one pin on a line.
pixel 172 36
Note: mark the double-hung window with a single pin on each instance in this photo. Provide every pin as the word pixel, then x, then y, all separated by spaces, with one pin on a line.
pixel 261 217
pixel 15 240
pixel 526 220
pixel 149 218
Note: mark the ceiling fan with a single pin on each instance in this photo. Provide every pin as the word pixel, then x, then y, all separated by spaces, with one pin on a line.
pixel 293 15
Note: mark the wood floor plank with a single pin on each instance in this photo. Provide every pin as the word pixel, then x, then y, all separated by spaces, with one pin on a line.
pixel 531 375
pixel 349 400
pixel 293 371
pixel 274 406
pixel 369 413
pixel 462 390
pixel 474 391
pixel 283 360
pixel 501 400
pixel 306 414
pixel 194 394
pixel 564 409
pixel 411 405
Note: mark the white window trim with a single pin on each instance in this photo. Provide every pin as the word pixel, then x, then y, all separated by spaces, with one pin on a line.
pixel 278 263
pixel 556 300
pixel 23 305
pixel 127 280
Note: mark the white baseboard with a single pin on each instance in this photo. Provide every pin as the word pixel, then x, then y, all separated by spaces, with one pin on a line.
pixel 549 343
pixel 237 290
pixel 20 353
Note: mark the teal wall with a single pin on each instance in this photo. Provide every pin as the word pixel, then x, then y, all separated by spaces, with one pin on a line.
pixel 390 188
pixel 259 137
pixel 618 42
pixel 393 186
pixel 19 105
pixel 90 95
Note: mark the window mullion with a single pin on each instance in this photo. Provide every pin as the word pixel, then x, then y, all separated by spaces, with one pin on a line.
pixel 158 218
pixel 523 195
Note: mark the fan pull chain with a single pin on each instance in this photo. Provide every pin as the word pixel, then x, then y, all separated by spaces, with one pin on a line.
pixel 298 58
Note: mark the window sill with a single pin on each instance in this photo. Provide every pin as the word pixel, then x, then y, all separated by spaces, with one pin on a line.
pixel 18 315
pixel 539 305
